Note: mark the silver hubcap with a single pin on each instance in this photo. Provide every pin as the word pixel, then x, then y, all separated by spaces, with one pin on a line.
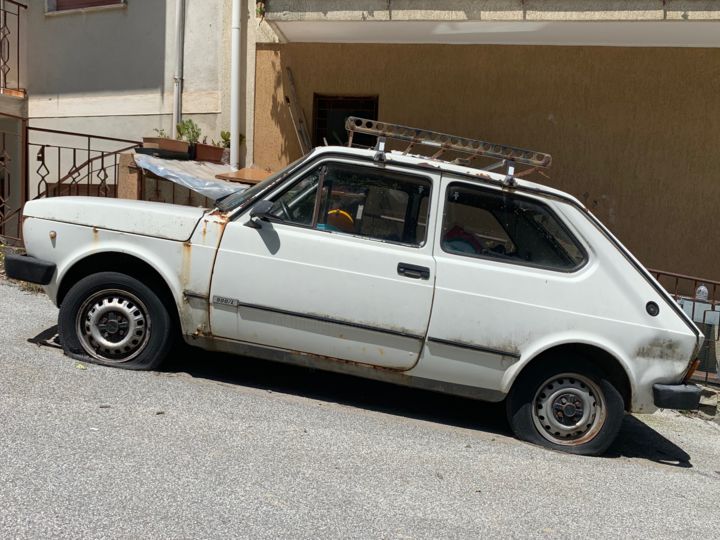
pixel 569 409
pixel 113 325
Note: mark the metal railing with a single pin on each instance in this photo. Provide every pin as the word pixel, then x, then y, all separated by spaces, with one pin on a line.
pixel 13 184
pixel 39 162
pixel 82 164
pixel 700 299
pixel 10 47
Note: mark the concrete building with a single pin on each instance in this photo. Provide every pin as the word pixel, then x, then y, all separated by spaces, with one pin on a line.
pixel 109 68
pixel 82 74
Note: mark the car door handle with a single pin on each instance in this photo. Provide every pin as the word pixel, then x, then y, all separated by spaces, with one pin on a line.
pixel 413 271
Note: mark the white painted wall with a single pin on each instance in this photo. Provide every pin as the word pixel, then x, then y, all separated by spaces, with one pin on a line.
pixel 110 71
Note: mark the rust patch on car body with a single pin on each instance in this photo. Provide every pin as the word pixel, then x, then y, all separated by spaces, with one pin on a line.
pixel 222 216
pixel 429 164
pixel 193 295
pixel 399 331
pixel 479 174
pixel 353 363
pixel 201 331
pixel 203 230
pixel 186 264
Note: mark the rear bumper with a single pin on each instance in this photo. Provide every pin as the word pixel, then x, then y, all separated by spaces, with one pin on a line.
pixel 26 268
pixel 676 396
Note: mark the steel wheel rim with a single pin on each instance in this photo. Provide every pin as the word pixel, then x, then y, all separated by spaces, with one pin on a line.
pixel 569 409
pixel 113 326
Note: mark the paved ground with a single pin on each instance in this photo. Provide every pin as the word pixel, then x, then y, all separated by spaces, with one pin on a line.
pixel 218 447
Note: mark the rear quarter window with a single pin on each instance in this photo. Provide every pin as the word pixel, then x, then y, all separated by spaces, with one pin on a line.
pixel 484 223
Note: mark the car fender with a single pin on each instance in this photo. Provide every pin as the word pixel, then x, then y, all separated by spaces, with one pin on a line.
pixel 545 343
pixel 126 247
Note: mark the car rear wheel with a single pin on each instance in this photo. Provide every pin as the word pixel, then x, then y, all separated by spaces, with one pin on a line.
pixel 571 408
pixel 113 319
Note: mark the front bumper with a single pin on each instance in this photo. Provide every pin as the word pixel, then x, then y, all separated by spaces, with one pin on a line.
pixel 27 268
pixel 676 396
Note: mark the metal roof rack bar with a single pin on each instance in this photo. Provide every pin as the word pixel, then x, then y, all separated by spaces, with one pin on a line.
pixel 472 148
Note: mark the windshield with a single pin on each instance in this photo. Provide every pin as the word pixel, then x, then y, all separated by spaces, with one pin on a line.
pixel 240 198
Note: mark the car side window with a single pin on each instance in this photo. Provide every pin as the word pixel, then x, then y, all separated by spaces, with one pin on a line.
pixel 361 201
pixel 297 204
pixel 479 222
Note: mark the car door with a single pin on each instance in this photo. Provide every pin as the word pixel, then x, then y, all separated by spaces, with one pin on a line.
pixel 509 272
pixel 343 269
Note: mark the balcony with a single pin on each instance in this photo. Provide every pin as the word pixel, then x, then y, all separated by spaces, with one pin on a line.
pixel 631 23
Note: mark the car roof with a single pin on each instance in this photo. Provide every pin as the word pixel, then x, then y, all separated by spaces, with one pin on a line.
pixel 469 173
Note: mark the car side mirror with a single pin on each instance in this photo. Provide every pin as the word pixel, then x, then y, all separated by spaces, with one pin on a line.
pixel 260 212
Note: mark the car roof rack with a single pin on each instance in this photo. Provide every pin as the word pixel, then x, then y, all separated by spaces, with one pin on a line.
pixel 470 149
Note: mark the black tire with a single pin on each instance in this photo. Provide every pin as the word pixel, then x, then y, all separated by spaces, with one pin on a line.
pixel 543 388
pixel 113 319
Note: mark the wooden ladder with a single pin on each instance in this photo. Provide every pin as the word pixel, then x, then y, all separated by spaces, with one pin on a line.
pixel 296 115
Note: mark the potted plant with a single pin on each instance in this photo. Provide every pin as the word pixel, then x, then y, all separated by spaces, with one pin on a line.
pixel 209 152
pixel 164 142
pixel 190 132
pixel 216 151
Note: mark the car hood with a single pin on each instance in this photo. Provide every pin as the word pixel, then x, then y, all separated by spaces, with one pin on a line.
pixel 159 220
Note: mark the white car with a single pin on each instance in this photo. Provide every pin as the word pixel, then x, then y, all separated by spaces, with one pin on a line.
pixel 385 265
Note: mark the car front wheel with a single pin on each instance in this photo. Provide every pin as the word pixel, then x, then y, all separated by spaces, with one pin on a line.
pixel 113 319
pixel 569 408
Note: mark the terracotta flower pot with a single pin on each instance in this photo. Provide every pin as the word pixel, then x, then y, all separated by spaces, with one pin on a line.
pixel 208 152
pixel 172 145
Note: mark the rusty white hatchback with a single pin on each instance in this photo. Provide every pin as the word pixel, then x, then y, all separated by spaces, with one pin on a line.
pixel 382 264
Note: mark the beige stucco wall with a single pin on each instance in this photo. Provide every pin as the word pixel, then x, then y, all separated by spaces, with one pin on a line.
pixel 633 132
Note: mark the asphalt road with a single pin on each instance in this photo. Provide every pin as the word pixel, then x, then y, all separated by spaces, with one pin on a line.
pixel 217 446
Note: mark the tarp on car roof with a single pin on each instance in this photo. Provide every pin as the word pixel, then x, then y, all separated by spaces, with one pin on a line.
pixel 199 176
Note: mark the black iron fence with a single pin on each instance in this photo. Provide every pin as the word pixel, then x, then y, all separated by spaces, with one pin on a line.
pixel 10 47
pixel 40 162
pixel 13 184
pixel 74 163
